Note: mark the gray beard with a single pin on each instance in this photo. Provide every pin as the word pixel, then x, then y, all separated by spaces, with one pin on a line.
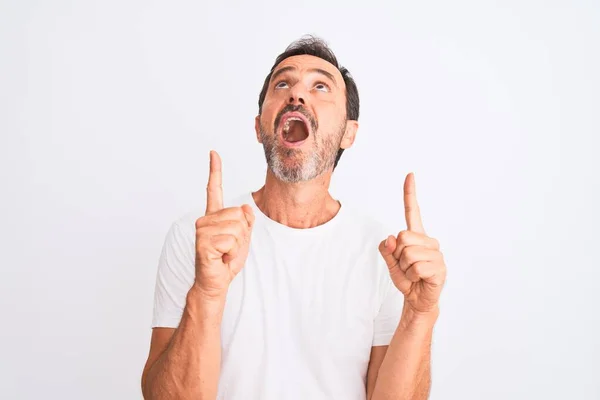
pixel 294 165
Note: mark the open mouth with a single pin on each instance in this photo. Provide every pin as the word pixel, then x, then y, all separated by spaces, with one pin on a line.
pixel 294 128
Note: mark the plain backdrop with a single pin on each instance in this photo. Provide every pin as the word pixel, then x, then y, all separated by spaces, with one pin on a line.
pixel 108 110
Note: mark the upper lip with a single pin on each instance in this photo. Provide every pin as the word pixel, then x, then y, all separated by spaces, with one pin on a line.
pixel 296 114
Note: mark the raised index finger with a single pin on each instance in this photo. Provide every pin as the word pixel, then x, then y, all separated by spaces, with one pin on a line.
pixel 411 207
pixel 214 189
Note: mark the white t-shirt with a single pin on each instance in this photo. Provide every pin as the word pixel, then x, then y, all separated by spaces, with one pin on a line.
pixel 301 316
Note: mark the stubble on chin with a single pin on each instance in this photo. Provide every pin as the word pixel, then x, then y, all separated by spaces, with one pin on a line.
pixel 294 165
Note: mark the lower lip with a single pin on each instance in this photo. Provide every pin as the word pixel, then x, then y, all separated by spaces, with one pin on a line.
pixel 292 144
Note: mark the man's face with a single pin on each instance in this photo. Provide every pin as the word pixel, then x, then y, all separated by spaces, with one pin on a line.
pixel 303 119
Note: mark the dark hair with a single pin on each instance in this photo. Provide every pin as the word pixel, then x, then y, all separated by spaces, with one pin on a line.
pixel 314 46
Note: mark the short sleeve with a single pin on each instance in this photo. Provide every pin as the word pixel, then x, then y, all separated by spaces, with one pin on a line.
pixel 389 314
pixel 174 277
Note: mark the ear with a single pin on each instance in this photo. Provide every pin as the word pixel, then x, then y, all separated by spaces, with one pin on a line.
pixel 257 128
pixel 350 134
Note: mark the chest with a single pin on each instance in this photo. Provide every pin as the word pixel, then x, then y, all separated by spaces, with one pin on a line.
pixel 307 296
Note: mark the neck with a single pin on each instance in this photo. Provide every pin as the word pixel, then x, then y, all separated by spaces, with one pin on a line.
pixel 297 205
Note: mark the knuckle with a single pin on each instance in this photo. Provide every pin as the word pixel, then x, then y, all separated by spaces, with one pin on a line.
pixel 201 243
pixel 201 234
pixel 403 236
pixel 409 254
pixel 229 239
pixel 238 227
pixel 239 213
pixel 418 268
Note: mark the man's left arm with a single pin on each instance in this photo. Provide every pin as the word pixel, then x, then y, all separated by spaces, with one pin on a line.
pixel 405 365
pixel 417 269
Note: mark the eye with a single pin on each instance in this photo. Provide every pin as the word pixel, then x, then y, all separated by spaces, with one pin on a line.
pixel 281 85
pixel 322 87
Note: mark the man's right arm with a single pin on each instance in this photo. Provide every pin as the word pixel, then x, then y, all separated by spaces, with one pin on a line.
pixel 184 363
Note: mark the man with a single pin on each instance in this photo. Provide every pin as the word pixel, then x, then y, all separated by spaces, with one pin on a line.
pixel 287 293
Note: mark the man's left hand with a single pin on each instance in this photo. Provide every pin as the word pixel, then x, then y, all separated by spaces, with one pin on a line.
pixel 414 259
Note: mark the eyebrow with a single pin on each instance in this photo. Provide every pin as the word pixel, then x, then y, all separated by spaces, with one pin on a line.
pixel 317 70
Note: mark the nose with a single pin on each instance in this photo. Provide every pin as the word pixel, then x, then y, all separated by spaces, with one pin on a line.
pixel 297 96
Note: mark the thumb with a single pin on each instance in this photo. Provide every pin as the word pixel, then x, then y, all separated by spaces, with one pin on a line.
pixel 249 214
pixel 386 248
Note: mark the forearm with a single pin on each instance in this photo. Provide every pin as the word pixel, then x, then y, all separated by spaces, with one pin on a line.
pixel 189 368
pixel 405 370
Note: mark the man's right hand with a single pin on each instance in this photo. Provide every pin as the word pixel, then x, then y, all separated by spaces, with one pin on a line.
pixel 222 237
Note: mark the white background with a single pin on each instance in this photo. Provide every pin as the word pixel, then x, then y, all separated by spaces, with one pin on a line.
pixel 108 110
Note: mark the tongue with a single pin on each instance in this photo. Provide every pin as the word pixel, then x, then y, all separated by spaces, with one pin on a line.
pixel 297 132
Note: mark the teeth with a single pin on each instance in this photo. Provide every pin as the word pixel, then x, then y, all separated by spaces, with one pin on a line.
pixel 286 125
